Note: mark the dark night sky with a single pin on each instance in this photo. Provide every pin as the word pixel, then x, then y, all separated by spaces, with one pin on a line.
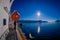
pixel 49 9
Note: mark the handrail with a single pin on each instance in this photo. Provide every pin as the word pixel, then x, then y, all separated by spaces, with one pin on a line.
pixel 21 34
pixel 3 33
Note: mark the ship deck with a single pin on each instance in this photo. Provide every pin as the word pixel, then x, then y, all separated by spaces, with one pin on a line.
pixel 15 34
pixel 12 35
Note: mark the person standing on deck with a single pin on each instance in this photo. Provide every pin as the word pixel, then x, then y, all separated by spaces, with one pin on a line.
pixel 15 25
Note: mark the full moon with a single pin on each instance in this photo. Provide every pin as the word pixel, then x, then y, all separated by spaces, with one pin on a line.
pixel 38 14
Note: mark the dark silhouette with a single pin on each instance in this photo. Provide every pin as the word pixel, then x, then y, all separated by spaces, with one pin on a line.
pixel 15 25
pixel 57 21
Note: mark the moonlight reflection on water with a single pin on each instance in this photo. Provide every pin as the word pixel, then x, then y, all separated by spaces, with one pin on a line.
pixel 38 28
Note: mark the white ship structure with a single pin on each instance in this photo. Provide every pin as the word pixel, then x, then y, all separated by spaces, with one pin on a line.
pixel 5 6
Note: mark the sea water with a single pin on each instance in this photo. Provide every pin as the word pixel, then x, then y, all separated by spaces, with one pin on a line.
pixel 41 31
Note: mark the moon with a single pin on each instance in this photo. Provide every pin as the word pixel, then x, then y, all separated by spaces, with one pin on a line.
pixel 38 13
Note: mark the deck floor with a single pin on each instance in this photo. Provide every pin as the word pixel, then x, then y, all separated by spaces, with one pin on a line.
pixel 12 35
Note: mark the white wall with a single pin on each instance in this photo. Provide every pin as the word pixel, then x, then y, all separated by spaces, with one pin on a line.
pixel 4 14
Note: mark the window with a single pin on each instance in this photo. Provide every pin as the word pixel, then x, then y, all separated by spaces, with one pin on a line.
pixel 6 9
pixel 10 0
pixel 4 21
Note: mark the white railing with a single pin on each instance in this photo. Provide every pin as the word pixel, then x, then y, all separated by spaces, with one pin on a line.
pixel 3 36
pixel 20 34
